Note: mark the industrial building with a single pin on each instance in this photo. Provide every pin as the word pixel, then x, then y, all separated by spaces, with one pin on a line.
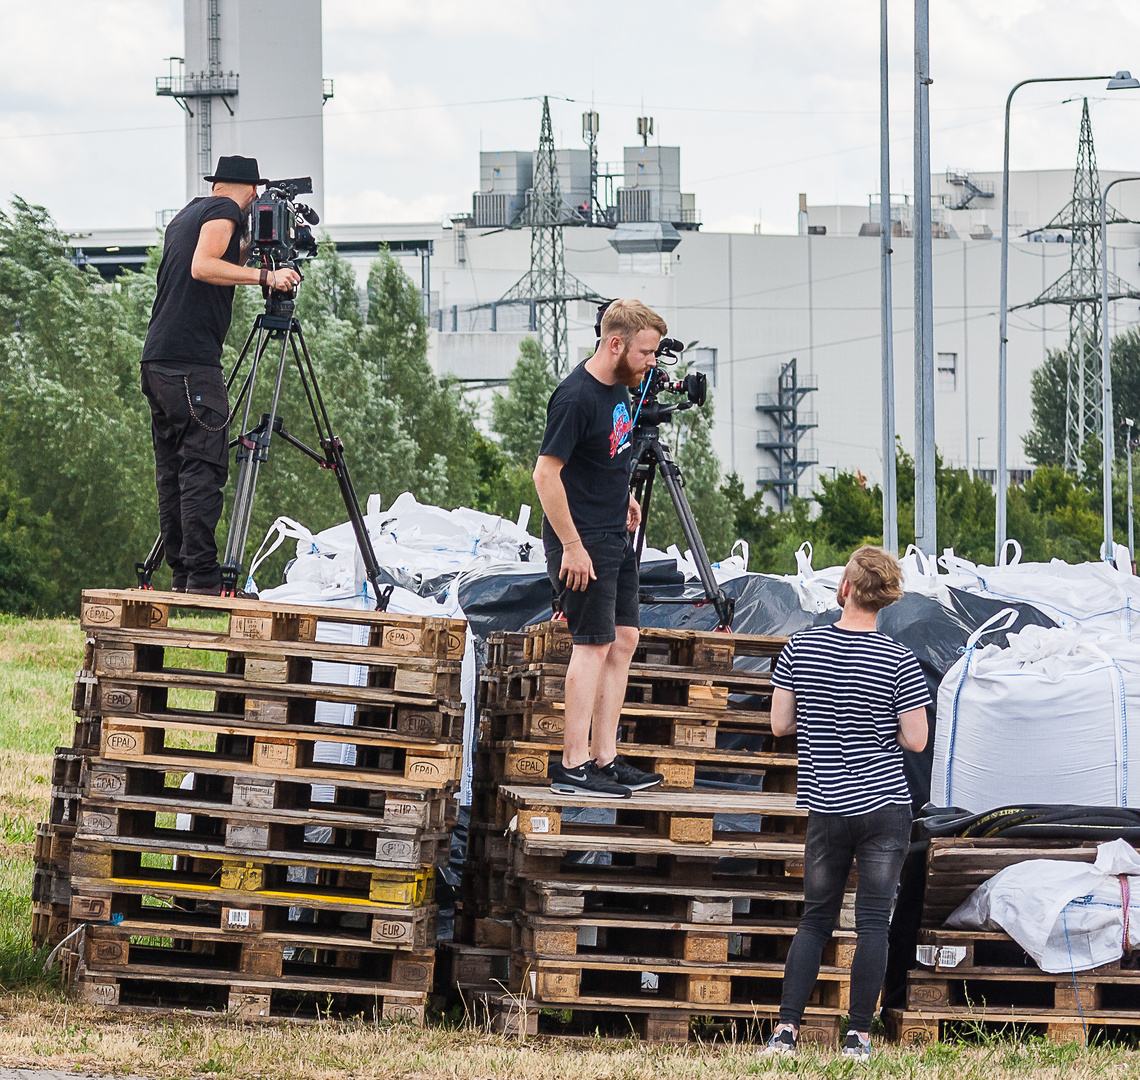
pixel 786 326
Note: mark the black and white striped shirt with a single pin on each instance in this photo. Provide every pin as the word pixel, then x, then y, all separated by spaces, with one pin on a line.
pixel 851 687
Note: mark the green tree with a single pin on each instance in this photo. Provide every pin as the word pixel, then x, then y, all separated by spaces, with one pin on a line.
pixel 442 469
pixel 1045 441
pixel 74 429
pixel 519 416
pixel 850 510
pixel 28 559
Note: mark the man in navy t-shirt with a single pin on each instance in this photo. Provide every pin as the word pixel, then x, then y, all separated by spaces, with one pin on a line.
pixel 855 700
pixel 582 477
pixel 203 259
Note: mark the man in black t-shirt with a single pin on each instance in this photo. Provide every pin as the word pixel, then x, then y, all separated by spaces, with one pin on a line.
pixel 582 478
pixel 203 258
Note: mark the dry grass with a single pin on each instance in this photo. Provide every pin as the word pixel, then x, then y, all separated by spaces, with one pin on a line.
pixel 38 1027
pixel 56 1034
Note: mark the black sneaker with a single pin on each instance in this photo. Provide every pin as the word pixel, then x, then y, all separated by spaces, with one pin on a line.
pixel 586 779
pixel 621 772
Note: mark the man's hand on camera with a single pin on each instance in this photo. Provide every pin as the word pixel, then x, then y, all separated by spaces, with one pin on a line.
pixel 577 568
pixel 283 278
pixel 633 516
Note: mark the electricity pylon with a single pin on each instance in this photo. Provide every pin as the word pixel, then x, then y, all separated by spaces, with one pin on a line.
pixel 546 286
pixel 1079 289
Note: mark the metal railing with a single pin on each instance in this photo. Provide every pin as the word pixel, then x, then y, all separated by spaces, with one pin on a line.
pixel 201 85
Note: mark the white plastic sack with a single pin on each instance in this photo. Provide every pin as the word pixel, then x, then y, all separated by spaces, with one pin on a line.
pixel 1093 595
pixel 1069 916
pixel 1046 720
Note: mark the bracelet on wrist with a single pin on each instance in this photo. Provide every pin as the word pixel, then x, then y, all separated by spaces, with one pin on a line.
pixel 578 541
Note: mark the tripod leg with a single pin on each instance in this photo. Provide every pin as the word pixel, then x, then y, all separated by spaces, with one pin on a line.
pixel 334 456
pixel 675 484
pixel 145 570
pixel 643 493
pixel 252 452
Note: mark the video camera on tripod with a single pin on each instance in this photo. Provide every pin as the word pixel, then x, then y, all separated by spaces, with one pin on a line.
pixel 652 457
pixel 695 386
pixel 281 227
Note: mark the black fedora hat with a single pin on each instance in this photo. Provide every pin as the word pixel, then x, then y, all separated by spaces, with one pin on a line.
pixel 236 170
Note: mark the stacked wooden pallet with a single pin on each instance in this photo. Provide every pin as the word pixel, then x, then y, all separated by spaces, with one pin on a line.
pixel 261 823
pixel 51 872
pixel 983 979
pixel 679 902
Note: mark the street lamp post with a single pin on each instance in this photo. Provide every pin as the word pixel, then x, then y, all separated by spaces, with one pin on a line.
pixel 1129 424
pixel 925 489
pixel 1122 80
pixel 980 438
pixel 1107 446
pixel 890 496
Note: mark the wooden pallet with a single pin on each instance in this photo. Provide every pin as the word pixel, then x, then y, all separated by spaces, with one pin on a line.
pixel 654 1022
pixel 956 867
pixel 606 935
pixel 240 832
pixel 1105 988
pixel 918 1028
pixel 681 818
pixel 181 912
pixel 515 762
pixel 550 642
pixel 413 716
pixel 133 952
pixel 344 880
pixel 260 750
pixel 681 687
pixel 144 612
pixel 596 980
pixel 250 998
pixel 289 665
pixel 715 899
pixel 472 967
pixel 215 787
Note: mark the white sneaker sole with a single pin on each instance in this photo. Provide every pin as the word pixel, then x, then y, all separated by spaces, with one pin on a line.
pixel 570 789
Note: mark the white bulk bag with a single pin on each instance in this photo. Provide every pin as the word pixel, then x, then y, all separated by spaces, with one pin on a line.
pixel 1069 916
pixel 1045 720
pixel 1093 595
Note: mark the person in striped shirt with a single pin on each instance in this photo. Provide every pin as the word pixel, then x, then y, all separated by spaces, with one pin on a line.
pixel 855 700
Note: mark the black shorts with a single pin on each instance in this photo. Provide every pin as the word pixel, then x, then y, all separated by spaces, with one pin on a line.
pixel 607 602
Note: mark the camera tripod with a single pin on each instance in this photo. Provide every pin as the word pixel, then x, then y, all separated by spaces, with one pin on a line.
pixel 652 456
pixel 278 323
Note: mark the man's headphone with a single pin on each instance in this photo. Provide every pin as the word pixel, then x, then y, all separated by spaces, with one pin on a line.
pixel 602 309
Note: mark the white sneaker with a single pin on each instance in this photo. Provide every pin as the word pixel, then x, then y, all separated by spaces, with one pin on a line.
pixel 855 1047
pixel 783 1041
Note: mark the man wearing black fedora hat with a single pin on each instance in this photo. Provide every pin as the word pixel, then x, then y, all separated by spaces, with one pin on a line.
pixel 203 258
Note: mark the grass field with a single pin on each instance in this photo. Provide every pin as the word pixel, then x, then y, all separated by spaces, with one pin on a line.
pixel 41 1027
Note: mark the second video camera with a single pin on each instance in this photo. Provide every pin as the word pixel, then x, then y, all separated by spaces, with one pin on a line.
pixel 694 386
pixel 282 227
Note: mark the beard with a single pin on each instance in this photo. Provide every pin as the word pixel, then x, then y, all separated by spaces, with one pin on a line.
pixel 624 370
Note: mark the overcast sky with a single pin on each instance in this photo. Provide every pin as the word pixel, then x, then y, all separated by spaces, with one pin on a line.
pixel 766 98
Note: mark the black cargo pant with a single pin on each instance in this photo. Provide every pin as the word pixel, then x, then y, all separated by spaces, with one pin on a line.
pixel 189 411
pixel 877 842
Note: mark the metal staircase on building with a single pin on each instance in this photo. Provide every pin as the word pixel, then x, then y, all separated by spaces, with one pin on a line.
pixel 791 423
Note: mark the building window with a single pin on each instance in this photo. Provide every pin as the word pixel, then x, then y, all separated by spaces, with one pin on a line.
pixel 946 371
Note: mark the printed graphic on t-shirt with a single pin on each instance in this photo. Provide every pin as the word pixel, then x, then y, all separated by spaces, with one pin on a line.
pixel 619 437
